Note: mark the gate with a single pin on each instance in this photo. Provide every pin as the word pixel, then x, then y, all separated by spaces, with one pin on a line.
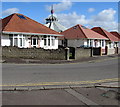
pixel 106 50
pixel 71 53
pixel 97 51
pixel 116 50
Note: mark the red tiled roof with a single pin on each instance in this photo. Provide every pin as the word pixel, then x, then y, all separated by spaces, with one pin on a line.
pixel 14 23
pixel 116 34
pixel 80 31
pixel 105 33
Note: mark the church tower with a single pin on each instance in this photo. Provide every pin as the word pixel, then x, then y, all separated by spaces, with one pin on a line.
pixel 52 22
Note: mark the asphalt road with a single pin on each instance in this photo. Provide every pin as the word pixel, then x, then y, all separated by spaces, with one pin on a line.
pixel 16 74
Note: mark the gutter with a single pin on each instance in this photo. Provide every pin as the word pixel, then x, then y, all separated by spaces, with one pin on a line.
pixel 88 38
pixel 40 34
pixel 98 38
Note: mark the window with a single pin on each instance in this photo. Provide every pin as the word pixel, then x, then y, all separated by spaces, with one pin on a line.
pixel 83 27
pixel 100 43
pixel 96 42
pixel 11 39
pixel 90 43
pixel 103 43
pixel 45 40
pixel 75 27
pixel 110 44
pixel 48 41
pixel 53 41
pixel 21 17
pixel 15 42
pixel 21 41
pixel 34 41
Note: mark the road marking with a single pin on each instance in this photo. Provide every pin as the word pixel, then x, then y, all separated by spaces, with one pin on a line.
pixel 80 97
pixel 64 83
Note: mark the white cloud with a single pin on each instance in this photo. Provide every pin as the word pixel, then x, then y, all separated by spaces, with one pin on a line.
pixel 91 10
pixel 10 11
pixel 71 19
pixel 105 19
pixel 64 5
pixel 105 15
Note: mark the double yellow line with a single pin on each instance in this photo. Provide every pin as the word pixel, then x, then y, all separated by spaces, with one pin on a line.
pixel 65 83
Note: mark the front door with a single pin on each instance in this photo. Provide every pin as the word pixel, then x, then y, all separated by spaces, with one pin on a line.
pixel 34 41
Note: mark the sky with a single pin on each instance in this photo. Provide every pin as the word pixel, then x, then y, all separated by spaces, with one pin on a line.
pixel 89 14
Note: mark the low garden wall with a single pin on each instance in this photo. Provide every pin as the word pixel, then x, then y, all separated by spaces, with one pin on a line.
pixel 111 51
pixel 38 53
pixel 82 53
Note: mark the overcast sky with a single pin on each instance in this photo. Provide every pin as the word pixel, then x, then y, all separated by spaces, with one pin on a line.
pixel 89 14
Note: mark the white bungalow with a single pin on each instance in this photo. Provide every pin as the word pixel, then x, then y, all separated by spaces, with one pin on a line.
pixel 80 36
pixel 112 42
pixel 23 32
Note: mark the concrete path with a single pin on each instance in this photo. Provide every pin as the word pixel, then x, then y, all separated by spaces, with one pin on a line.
pixel 63 96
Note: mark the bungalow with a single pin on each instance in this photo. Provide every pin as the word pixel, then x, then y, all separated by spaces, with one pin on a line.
pixel 23 32
pixel 117 35
pixel 112 41
pixel 80 36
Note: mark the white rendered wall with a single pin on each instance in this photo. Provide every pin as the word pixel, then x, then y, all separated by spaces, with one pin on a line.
pixel 5 40
pixel 85 42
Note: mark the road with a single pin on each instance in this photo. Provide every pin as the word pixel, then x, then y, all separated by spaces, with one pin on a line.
pixel 18 74
pixel 56 74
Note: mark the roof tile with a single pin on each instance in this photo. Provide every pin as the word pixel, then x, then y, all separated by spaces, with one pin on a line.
pixel 116 34
pixel 105 33
pixel 14 23
pixel 79 31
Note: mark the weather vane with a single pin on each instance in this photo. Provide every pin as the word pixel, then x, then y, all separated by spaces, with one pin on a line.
pixel 52 11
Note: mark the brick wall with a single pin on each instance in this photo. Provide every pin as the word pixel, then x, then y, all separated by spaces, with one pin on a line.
pixel 82 53
pixel 33 53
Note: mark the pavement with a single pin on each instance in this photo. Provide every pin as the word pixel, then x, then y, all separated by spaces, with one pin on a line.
pixel 82 95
